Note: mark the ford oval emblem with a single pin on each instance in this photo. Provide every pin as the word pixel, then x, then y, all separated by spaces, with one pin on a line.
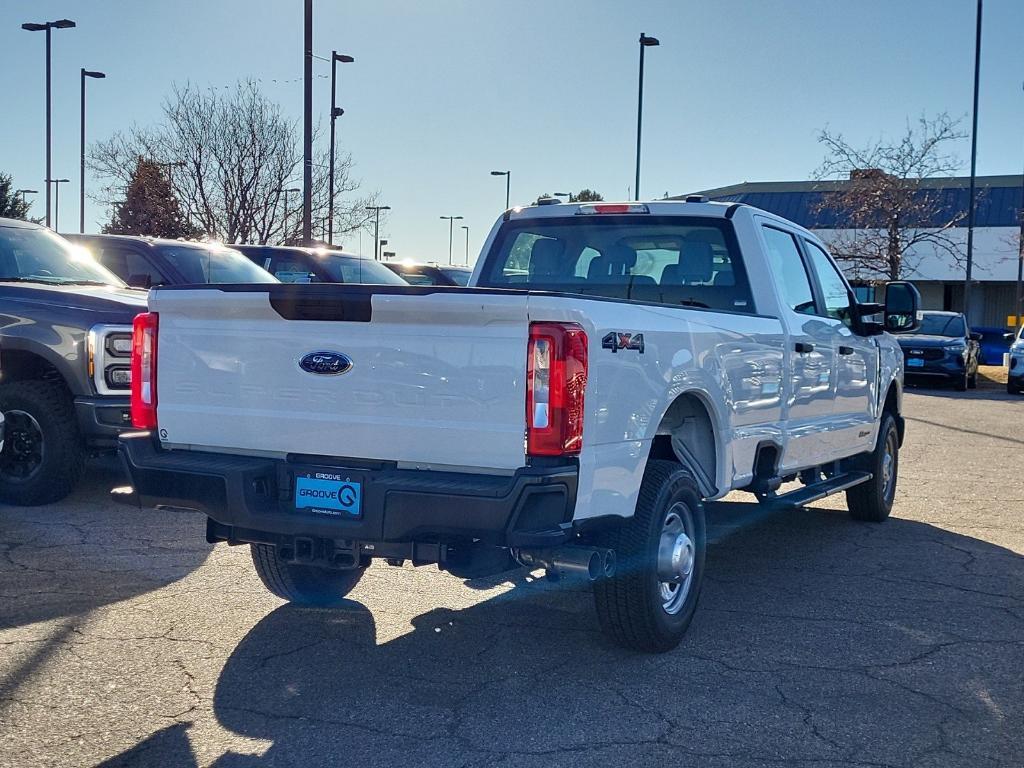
pixel 327 363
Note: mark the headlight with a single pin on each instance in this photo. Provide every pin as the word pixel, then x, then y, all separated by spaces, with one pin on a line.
pixel 110 352
pixel 956 348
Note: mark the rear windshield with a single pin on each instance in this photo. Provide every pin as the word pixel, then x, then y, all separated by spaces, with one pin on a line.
pixel 458 276
pixel 692 262
pixel 943 325
pixel 199 264
pixel 353 269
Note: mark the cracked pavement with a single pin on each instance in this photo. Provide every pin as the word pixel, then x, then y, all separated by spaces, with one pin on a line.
pixel 126 640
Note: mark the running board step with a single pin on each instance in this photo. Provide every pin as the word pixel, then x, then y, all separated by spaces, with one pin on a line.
pixel 809 493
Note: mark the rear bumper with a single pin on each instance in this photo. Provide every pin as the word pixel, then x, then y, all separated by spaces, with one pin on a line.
pixel 250 499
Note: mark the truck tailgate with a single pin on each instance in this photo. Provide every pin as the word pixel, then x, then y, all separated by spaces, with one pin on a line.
pixel 435 377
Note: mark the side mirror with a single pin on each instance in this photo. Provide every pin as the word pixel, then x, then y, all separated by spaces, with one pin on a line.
pixel 1010 336
pixel 140 281
pixel 974 336
pixel 902 302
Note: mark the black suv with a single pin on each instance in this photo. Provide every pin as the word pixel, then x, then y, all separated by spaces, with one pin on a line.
pixel 430 274
pixel 943 349
pixel 146 262
pixel 65 353
pixel 291 264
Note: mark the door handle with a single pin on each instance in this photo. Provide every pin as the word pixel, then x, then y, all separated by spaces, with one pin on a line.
pixel 846 350
pixel 804 346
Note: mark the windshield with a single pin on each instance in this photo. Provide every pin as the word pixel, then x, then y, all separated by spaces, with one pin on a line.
pixel 202 264
pixel 458 276
pixel 942 325
pixel 40 256
pixel 353 269
pixel 675 260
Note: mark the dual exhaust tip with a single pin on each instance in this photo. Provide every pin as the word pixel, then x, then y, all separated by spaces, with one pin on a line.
pixel 593 563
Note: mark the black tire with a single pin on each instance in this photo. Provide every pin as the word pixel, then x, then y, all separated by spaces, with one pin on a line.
pixel 303 584
pixel 872 501
pixel 960 385
pixel 1013 389
pixel 972 380
pixel 631 606
pixel 43 455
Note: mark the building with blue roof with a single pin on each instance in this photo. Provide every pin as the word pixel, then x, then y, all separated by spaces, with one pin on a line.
pixel 937 275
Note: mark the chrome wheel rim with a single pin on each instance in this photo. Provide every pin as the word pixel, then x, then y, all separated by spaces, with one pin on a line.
pixel 676 558
pixel 23 451
pixel 889 467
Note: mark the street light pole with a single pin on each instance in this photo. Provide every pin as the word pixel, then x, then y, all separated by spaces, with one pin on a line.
pixel 467 243
pixel 645 42
pixel 81 161
pixel 56 201
pixel 1020 259
pixel 508 184
pixel 307 127
pixel 336 112
pixel 46 27
pixel 24 193
pixel 974 161
pixel 451 230
pixel 376 227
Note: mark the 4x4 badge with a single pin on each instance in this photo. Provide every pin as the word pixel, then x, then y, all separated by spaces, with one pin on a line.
pixel 616 340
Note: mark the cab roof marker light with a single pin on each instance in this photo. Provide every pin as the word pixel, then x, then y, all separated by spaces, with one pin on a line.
pixel 589 210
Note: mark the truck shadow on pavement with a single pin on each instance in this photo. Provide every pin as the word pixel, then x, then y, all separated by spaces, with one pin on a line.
pixel 817 639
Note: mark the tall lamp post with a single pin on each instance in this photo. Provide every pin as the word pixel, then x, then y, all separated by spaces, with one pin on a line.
pixel 290 190
pixel 451 227
pixel 46 27
pixel 508 183
pixel 376 227
pixel 336 112
pixel 24 193
pixel 645 42
pixel 56 201
pixel 307 124
pixel 974 159
pixel 81 160
pixel 1020 259
pixel 467 243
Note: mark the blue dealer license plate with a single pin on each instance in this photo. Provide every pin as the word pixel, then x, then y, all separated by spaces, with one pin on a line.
pixel 915 362
pixel 329 493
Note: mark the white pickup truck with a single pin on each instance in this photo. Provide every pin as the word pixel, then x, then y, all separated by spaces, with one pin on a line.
pixel 611 367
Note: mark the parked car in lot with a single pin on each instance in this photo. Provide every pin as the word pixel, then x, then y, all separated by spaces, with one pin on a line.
pixel 611 367
pixel 145 262
pixel 430 274
pixel 943 349
pixel 1015 375
pixel 291 264
pixel 65 350
pixel 993 344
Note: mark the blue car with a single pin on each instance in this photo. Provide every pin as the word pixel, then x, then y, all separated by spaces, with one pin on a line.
pixel 942 350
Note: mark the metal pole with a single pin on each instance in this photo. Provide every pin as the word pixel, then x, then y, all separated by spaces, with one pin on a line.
pixel 81 164
pixel 508 187
pixel 467 244
pixel 307 129
pixel 1020 259
pixel 639 118
pixel 48 111
pixel 56 206
pixel 451 229
pixel 974 162
pixel 376 235
pixel 284 238
pixel 330 183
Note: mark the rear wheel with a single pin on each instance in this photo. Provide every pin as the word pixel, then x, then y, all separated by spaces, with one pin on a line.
pixel 650 601
pixel 42 457
pixel 303 584
pixel 872 501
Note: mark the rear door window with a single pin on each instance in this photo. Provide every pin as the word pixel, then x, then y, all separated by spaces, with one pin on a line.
pixel 674 260
pixel 789 271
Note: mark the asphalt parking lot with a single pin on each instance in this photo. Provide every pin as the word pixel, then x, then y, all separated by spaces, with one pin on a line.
pixel 126 640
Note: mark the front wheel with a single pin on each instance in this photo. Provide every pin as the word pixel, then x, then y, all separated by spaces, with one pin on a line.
pixel 648 604
pixel 302 584
pixel 872 501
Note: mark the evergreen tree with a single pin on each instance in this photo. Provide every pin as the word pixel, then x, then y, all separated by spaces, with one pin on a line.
pixel 150 206
pixel 12 205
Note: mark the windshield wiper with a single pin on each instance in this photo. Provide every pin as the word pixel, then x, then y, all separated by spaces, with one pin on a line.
pixel 83 282
pixel 42 280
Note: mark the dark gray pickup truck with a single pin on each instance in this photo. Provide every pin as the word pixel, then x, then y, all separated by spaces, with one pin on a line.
pixel 65 351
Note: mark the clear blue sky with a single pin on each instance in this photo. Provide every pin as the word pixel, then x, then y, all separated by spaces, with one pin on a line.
pixel 442 92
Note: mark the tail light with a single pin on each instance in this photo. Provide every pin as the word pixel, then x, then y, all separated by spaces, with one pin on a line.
pixel 556 380
pixel 144 334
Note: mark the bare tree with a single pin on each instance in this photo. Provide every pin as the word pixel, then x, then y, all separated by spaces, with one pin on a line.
pixel 887 208
pixel 230 156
